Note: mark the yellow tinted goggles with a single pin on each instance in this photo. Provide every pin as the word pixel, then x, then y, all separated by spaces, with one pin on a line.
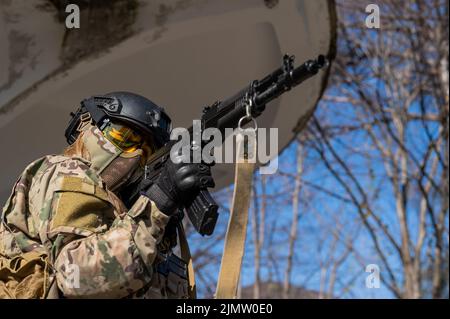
pixel 127 139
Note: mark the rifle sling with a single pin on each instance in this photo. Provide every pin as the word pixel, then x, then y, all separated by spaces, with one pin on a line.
pixel 186 256
pixel 233 253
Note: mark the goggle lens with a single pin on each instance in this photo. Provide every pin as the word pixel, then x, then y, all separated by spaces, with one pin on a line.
pixel 123 137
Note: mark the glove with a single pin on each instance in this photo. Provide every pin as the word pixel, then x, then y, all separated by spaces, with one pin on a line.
pixel 178 185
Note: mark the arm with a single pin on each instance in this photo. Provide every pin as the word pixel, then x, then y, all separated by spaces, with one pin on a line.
pixel 116 262
pixel 77 222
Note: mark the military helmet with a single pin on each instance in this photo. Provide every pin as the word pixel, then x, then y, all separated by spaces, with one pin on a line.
pixel 131 109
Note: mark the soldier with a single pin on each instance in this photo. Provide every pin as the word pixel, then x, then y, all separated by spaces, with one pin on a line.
pixel 65 230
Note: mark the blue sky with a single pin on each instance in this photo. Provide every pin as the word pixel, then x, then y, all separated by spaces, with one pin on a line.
pixel 320 213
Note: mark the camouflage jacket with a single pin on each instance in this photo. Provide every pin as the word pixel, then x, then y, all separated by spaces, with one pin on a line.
pixel 59 205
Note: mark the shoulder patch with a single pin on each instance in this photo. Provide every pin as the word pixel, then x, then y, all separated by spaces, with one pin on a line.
pixel 81 185
pixel 78 203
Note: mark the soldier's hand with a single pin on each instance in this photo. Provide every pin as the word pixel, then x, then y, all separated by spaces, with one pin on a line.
pixel 178 184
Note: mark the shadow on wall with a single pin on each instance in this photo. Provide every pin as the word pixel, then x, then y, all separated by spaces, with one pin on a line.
pixel 109 23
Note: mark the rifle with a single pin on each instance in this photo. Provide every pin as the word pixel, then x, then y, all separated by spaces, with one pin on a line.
pixel 202 212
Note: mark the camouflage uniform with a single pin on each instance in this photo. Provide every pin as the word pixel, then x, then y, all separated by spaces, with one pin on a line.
pixel 60 205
